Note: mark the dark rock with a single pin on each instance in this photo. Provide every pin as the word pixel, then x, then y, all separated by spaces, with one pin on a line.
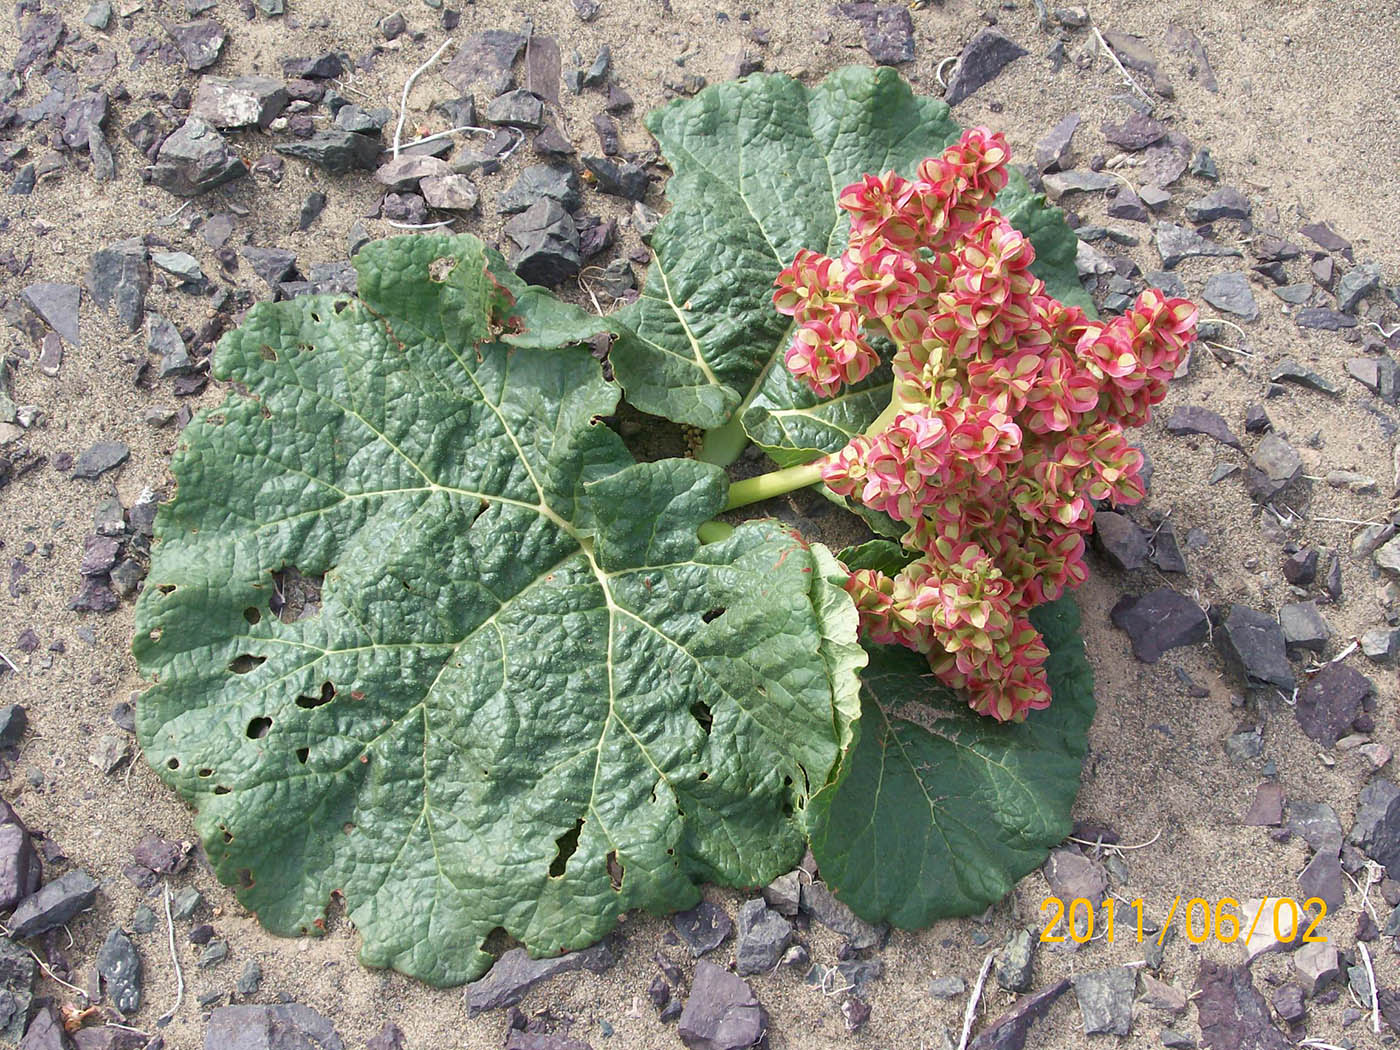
pixel 119 277
pixel 214 953
pixel 362 121
pixel 19 864
pixel 239 102
pixel 1275 466
pixel 392 28
pixel 1158 621
pixel 703 928
pixel 18 971
pixel 1266 811
pixel 1121 541
pixel 162 856
pixel 57 304
pixel 127 574
pixel 1231 1012
pixel 624 179
pixel 1274 249
pixel 484 60
pixel 763 937
pixel 1288 1004
pixel 45 1032
pixel 1256 420
pixel 515 973
pixel 1356 284
pixel 1175 243
pixel 1134 53
pixel 551 145
pixel 619 101
pixel 1136 133
pixel 273 265
pixel 1123 203
pixel 1300 568
pixel 194 160
pixel 1316 823
pixel 688 85
pixel 1166 551
pixel 99 555
pixel 250 980
pixel 39 35
pixel 199 43
pixel 984 57
pixel 721 1012
pixel 1303 628
pixel 53 905
pixel 549 181
pixel 407 208
pixel 548 244
pixel 119 966
pixel 1194 419
pixel 1224 203
pixel 1016 962
pixel 316 67
pixel 784 894
pixel 1154 196
pixel 1325 319
pixel 96 596
pixel 1052 153
pixel 1326 238
pixel 519 109
pixel 606 129
pixel 1231 292
pixel 300 89
pixel 947 988
pixel 1290 371
pixel 289 1026
pixel 83 118
pixel 1323 878
pixel 100 458
pixel 311 208
pixel 1106 1000
pixel 527 1040
pixel 888 30
pixel 1253 643
pixel 1009 1031
pixel 818 900
pixel 335 150
pixel 1376 829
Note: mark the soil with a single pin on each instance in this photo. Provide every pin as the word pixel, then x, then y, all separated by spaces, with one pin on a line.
pixel 1303 123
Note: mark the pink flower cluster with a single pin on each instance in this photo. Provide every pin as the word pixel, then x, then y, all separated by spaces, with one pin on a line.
pixel 1007 419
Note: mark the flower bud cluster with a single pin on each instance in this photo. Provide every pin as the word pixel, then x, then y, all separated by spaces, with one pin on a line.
pixel 1007 421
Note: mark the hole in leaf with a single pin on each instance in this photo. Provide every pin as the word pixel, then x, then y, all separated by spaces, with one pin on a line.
pixel 700 711
pixel 268 354
pixel 341 304
pixel 309 702
pixel 303 753
pixel 166 588
pixel 347 827
pixel 245 663
pixel 567 844
pixel 295 596
pixel 315 317
pixel 615 871
pixel 245 879
pixel 703 776
pixel 439 269
pixel 712 615
pixel 206 773
pixel 174 763
pixel 252 615
pixel 220 789
pixel 228 836
pixel 258 727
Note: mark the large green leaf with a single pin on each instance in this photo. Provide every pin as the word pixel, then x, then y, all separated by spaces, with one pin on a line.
pixel 758 165
pixel 938 810
pixel 527 697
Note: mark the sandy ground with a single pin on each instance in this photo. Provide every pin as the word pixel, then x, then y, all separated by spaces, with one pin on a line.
pixel 1303 122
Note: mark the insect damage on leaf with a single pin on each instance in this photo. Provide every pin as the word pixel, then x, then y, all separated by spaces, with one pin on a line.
pixel 411 586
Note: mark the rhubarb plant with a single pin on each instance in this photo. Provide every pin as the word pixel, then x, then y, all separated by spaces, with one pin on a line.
pixel 424 636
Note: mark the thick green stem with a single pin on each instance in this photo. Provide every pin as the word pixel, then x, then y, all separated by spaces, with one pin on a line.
pixel 714 531
pixel 778 483
pixel 723 445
